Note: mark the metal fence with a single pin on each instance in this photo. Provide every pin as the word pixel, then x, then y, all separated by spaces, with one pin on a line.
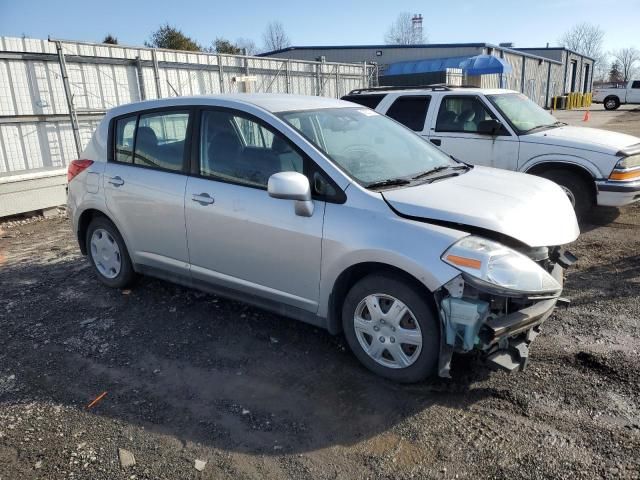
pixel 54 92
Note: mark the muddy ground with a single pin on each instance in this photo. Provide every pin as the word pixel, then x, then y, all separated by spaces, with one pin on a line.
pixel 190 376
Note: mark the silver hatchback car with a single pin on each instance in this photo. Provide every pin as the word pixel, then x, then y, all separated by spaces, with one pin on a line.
pixel 329 213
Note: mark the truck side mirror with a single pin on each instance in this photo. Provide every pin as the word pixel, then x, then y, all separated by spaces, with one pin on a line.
pixel 491 127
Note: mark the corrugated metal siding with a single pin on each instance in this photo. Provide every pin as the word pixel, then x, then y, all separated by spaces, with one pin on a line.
pixel 536 72
pixel 36 138
pixel 102 77
pixel 513 80
pixel 556 82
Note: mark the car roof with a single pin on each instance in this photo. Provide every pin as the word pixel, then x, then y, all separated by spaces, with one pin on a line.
pixel 435 89
pixel 268 101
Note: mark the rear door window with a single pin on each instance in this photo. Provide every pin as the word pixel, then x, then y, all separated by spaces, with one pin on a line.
pixel 160 140
pixel 366 100
pixel 410 110
pixel 635 84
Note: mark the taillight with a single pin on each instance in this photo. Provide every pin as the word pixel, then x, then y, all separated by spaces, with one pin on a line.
pixel 76 167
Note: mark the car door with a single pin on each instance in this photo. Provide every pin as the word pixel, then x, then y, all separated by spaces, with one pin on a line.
pixel 144 182
pixel 456 129
pixel 239 237
pixel 633 94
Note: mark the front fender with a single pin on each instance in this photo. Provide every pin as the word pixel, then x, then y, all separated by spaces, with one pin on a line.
pixel 354 237
pixel 563 159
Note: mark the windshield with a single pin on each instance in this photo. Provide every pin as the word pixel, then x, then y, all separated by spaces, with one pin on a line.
pixel 370 147
pixel 524 115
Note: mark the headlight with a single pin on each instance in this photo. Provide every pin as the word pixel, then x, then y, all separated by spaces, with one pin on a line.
pixel 629 162
pixel 496 265
pixel 627 168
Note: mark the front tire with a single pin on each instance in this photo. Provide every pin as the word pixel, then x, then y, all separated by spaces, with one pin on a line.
pixel 108 254
pixel 577 189
pixel 611 103
pixel 391 328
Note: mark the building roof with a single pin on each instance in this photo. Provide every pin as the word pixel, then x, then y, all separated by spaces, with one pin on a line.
pixel 517 51
pixel 556 49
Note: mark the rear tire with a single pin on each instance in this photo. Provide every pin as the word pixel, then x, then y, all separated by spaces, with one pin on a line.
pixel 108 254
pixel 611 103
pixel 579 192
pixel 401 345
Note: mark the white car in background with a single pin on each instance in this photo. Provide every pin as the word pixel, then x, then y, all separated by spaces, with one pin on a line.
pixel 504 129
pixel 613 97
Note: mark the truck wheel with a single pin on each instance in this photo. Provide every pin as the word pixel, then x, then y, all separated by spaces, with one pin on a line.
pixel 108 254
pixel 611 103
pixel 391 328
pixel 577 189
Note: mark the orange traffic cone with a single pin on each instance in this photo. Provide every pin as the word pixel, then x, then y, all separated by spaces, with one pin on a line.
pixel 586 116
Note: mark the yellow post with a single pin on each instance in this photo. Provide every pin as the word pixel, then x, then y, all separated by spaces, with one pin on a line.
pixel 555 103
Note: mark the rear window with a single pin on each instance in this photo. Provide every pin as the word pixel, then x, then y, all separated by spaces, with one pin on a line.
pixel 410 110
pixel 635 84
pixel 370 101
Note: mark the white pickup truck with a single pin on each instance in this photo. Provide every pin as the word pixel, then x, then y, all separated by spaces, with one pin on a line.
pixel 504 129
pixel 613 97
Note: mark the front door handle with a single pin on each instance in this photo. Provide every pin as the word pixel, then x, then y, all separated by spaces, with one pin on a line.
pixel 116 181
pixel 436 141
pixel 203 198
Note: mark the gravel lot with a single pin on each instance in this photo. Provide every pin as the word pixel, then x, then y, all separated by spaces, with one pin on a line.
pixel 189 376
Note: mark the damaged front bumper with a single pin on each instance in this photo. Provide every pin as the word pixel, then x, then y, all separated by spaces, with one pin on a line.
pixel 499 326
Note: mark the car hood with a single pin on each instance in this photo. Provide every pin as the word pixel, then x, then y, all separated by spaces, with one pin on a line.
pixel 594 139
pixel 530 209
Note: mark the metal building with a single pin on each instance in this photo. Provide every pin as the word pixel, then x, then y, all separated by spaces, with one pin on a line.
pixel 540 73
pixel 53 94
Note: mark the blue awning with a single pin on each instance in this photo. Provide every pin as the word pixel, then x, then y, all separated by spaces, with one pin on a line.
pixel 484 65
pixel 476 65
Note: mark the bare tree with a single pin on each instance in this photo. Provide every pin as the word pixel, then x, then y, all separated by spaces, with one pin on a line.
pixel 403 32
pixel 627 58
pixel 247 45
pixel 274 37
pixel 587 39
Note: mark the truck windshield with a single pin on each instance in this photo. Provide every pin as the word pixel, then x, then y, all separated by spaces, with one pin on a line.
pixel 524 115
pixel 370 147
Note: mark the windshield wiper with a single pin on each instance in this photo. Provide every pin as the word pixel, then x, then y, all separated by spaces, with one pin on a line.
pixel 390 182
pixel 439 169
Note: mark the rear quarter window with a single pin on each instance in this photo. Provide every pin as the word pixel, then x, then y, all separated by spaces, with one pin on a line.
pixel 370 101
pixel 125 129
pixel 410 110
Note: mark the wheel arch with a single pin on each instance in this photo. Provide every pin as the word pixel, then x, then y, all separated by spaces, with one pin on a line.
pixel 84 220
pixel 547 165
pixel 354 273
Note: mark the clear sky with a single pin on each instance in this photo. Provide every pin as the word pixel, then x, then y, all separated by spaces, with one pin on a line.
pixel 324 22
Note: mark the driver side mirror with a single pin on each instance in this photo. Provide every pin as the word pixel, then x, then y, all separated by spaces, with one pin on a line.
pixel 490 127
pixel 292 186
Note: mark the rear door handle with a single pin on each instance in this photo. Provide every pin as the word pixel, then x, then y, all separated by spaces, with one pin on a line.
pixel 202 198
pixel 116 181
pixel 436 141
